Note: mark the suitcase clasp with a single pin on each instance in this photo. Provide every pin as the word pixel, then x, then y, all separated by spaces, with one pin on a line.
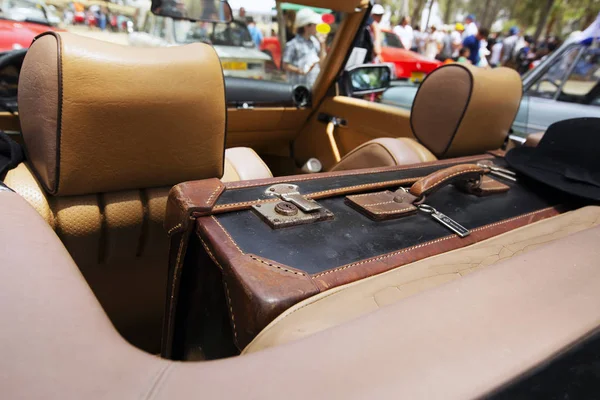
pixel 290 193
pixel 294 209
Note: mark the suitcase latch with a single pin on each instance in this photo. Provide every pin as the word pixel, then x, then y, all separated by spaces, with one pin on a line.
pixel 293 209
pixel 290 193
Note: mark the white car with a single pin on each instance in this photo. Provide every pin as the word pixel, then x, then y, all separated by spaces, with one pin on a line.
pixel 29 11
pixel 232 42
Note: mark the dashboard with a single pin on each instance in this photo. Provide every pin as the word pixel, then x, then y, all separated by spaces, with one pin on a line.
pixel 240 93
pixel 10 66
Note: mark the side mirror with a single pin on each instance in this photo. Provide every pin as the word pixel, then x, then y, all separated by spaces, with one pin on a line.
pixel 194 10
pixel 366 79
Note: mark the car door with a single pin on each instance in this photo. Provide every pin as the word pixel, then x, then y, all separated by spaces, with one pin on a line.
pixel 566 88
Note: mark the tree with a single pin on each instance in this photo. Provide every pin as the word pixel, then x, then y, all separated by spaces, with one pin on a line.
pixel 545 12
pixel 416 15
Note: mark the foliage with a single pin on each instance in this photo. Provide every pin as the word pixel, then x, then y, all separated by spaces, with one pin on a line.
pixel 563 16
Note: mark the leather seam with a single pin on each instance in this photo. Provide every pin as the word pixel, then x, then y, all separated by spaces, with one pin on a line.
pixel 445 178
pixel 379 204
pixel 429 243
pixel 233 185
pixel 227 234
pixel 393 211
pixel 174 228
pixel 229 302
pixel 212 195
pixel 276 266
pixel 174 283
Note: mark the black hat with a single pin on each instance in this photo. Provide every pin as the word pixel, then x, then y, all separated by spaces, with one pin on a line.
pixel 567 158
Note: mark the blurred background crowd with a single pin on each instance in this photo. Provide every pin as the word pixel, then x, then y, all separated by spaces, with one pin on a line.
pixel 485 33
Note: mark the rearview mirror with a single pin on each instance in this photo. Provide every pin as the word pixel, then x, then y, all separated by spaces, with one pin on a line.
pixel 194 10
pixel 368 78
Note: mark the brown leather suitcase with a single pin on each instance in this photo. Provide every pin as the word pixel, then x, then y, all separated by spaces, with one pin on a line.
pixel 244 252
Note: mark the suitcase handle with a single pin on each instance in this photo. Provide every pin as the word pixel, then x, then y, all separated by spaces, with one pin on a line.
pixel 437 180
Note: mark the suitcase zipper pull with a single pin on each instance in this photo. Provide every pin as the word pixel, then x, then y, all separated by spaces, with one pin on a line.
pixel 445 220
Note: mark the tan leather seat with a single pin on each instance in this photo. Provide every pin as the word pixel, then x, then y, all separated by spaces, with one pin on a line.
pixel 108 131
pixel 511 318
pixel 459 110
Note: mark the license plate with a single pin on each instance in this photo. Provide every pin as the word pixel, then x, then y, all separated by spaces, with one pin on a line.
pixel 235 65
pixel 417 76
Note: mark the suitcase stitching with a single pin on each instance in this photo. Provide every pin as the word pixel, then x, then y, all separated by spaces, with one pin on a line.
pixel 227 234
pixel 229 303
pixel 430 243
pixel 276 266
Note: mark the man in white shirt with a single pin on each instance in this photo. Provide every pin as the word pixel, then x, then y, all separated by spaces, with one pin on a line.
pixel 405 33
pixel 434 43
pixel 470 27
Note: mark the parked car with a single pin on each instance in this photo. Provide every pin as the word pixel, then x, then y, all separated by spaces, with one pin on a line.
pixel 29 11
pixel 564 86
pixel 18 27
pixel 232 42
pixel 408 64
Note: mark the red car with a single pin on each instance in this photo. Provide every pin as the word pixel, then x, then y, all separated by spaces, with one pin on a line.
pixel 271 46
pixel 16 35
pixel 408 64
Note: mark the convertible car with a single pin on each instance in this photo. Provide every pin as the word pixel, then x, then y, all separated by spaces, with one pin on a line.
pixel 156 214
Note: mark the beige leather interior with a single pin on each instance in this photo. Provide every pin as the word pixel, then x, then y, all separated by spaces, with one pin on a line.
pixel 140 128
pixel 268 130
pixel 118 241
pixel 462 110
pixel 365 121
pixel 242 164
pixel 57 343
pixel 385 152
pixel 533 139
pixel 351 301
pixel 111 152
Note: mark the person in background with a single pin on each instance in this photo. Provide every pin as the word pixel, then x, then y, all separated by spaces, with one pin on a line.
pixel 473 43
pixel 418 40
pixel 496 51
pixel 433 43
pixel 470 26
pixel 463 55
pixel 255 33
pixel 446 51
pixel 303 54
pixel 375 30
pixel 242 13
pixel 509 46
pixel 405 32
pixel 456 38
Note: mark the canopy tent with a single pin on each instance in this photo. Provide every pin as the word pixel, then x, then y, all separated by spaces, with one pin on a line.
pixel 296 7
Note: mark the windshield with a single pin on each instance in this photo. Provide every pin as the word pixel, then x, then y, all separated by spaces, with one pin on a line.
pixel 215 33
pixel 391 40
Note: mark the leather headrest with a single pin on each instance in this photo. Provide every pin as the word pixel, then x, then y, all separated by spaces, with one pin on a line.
pixel 462 110
pixel 100 117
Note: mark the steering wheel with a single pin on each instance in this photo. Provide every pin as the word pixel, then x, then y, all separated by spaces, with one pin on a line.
pixel 15 58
